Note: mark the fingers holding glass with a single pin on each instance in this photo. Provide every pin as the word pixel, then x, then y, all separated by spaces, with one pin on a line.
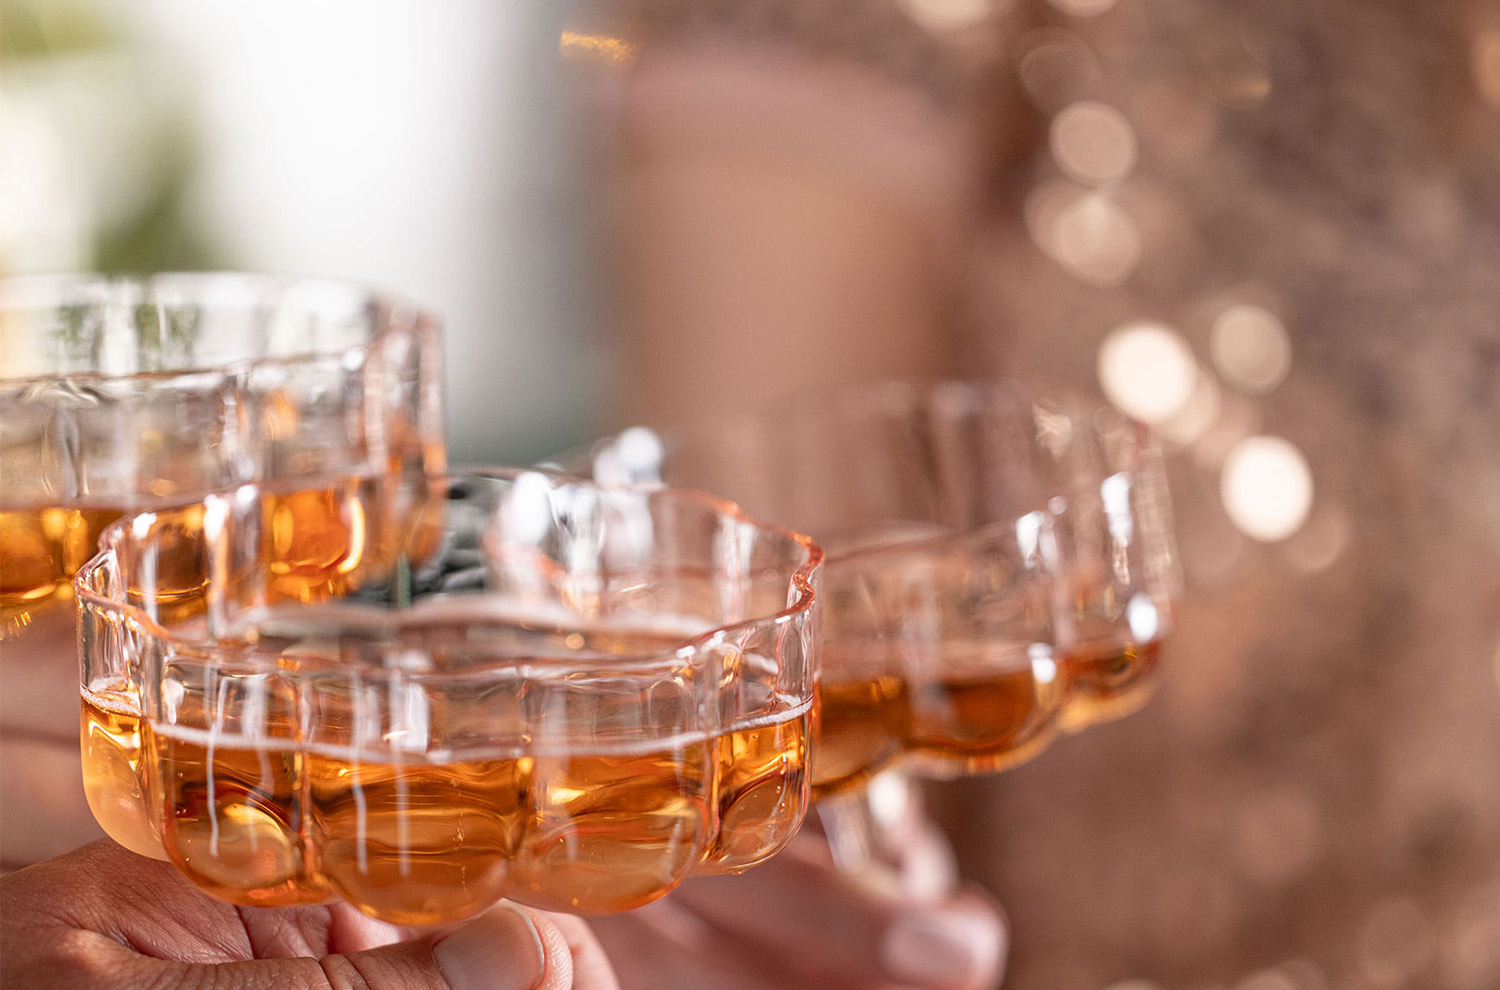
pixel 75 923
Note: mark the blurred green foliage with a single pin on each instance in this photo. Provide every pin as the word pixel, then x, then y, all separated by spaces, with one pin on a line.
pixel 40 28
pixel 160 233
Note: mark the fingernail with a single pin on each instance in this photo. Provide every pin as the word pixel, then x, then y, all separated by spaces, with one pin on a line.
pixel 939 948
pixel 499 950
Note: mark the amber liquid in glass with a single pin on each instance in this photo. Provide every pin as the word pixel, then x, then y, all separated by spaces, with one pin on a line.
pixel 319 540
pixel 973 722
pixel 1108 682
pixel 313 544
pixel 317 543
pixel 114 776
pixel 232 815
pixel 417 844
pixel 612 832
pixel 421 843
pixel 41 548
pixel 862 726
pixel 977 712
pixel 761 788
pixel 311 539
pixel 255 817
pixel 266 820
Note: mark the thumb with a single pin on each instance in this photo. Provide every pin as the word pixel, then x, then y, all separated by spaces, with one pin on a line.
pixel 507 948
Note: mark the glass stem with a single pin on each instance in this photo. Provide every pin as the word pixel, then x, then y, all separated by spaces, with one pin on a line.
pixel 864 825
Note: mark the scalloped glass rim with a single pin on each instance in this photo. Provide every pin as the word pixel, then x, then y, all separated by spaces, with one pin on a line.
pixel 802 577
pixel 383 313
pixel 902 395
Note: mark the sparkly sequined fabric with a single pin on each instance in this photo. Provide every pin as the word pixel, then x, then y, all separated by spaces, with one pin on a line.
pixel 1313 798
pixel 1274 221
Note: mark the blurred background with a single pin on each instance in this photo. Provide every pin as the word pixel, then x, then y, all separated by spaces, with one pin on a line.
pixel 430 153
pixel 1270 228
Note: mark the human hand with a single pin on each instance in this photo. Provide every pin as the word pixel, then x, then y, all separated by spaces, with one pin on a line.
pixel 102 918
pixel 796 921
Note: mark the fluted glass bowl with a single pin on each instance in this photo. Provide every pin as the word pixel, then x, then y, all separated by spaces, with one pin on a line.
pixel 118 393
pixel 1000 558
pixel 424 697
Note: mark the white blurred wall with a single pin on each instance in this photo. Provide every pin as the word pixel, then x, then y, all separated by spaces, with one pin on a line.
pixel 426 147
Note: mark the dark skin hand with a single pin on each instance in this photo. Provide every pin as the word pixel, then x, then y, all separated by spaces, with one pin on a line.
pixel 102 918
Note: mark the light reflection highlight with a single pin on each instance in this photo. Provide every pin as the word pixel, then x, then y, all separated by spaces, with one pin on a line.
pixel 1093 142
pixel 1321 542
pixel 1266 488
pixel 1058 66
pixel 1096 240
pixel 1143 617
pixel 1148 371
pixel 1197 416
pixel 1250 348
pixel 603 48
pixel 1238 418
pixel 949 15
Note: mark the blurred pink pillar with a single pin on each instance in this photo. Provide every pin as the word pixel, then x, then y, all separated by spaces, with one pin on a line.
pixel 783 221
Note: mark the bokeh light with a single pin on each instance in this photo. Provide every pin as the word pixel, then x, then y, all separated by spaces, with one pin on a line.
pixel 1148 371
pixel 1042 208
pixel 949 15
pixel 1321 541
pixel 1266 487
pixel 1250 348
pixel 1238 418
pixel 1096 240
pixel 1058 66
pixel 1093 142
pixel 1197 416
pixel 1086 232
